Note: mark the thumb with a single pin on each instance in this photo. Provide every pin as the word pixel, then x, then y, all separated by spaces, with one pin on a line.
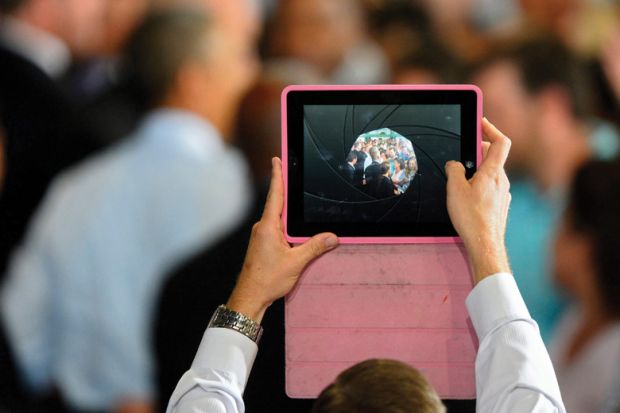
pixel 456 175
pixel 315 247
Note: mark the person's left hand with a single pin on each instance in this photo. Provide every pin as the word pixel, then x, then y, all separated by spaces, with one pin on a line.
pixel 272 266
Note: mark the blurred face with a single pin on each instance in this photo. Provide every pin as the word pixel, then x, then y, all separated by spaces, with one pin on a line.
pixel 82 25
pixel 416 76
pixel 230 66
pixel 121 17
pixel 319 32
pixel 449 11
pixel 573 268
pixel 508 105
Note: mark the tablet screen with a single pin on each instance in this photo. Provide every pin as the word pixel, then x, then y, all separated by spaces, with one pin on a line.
pixel 391 174
pixel 371 163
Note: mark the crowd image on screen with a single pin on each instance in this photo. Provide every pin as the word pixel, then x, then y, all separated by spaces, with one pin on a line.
pixel 381 164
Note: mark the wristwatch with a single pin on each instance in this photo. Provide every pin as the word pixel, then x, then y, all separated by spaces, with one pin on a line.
pixel 224 317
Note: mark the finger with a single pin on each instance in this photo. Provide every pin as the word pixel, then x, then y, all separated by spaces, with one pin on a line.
pixel 485 149
pixel 315 247
pixel 499 148
pixel 275 198
pixel 456 176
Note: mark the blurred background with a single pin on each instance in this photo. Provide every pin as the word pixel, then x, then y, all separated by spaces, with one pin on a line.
pixel 136 138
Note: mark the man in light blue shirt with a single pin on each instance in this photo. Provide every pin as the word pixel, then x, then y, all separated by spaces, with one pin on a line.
pixel 78 300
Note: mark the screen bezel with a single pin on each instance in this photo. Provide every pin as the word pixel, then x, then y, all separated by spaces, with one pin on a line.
pixel 296 97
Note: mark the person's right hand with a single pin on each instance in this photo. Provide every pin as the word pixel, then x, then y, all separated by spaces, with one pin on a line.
pixel 478 207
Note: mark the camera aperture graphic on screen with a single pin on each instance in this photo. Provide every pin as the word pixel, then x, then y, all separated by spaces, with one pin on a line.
pixel 378 163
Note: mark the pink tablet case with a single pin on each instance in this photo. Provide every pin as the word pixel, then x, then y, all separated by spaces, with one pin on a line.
pixel 398 301
pixel 404 302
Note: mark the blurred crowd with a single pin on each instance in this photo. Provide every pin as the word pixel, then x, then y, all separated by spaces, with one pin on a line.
pixel 136 138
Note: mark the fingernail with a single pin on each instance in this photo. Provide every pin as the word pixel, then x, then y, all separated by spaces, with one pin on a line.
pixel 331 242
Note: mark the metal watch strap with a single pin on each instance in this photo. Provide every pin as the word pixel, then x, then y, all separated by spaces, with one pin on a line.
pixel 224 317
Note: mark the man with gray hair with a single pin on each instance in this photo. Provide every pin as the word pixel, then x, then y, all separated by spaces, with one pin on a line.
pixel 79 295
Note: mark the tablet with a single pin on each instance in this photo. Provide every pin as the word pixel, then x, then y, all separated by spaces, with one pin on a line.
pixel 367 162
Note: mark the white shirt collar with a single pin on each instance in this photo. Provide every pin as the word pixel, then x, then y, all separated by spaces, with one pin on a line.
pixel 42 48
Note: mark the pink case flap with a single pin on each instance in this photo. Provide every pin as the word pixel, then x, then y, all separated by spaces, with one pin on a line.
pixel 404 302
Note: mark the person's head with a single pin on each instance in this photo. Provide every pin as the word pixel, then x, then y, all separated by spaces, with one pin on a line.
pixel 258 125
pixel 79 23
pixel 586 258
pixel 399 165
pixel 391 152
pixel 205 59
pixel 120 20
pixel 537 93
pixel 401 28
pixel 384 169
pixel 379 386
pixel 375 155
pixel 429 65
pixel 352 158
pixel 412 164
pixel 319 32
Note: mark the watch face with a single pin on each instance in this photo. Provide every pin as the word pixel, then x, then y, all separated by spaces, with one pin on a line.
pixel 371 163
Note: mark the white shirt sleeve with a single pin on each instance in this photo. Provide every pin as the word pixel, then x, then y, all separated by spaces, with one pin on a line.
pixel 219 373
pixel 513 369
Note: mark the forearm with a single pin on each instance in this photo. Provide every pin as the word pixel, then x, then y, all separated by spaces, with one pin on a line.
pixel 513 369
pixel 486 258
pixel 218 375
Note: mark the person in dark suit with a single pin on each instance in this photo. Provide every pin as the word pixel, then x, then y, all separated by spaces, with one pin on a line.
pixel 358 177
pixel 371 172
pixel 43 134
pixel 384 187
pixel 348 169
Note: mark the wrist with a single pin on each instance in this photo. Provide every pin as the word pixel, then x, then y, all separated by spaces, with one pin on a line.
pixel 487 258
pixel 243 301
pixel 224 317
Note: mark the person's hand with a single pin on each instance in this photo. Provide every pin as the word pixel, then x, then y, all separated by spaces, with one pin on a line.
pixel 272 266
pixel 478 208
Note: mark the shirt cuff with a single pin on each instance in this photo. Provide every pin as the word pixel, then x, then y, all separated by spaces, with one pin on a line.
pixel 226 350
pixel 495 301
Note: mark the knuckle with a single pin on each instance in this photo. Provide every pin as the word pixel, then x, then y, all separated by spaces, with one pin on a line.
pixel 257 228
pixel 506 141
pixel 506 182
